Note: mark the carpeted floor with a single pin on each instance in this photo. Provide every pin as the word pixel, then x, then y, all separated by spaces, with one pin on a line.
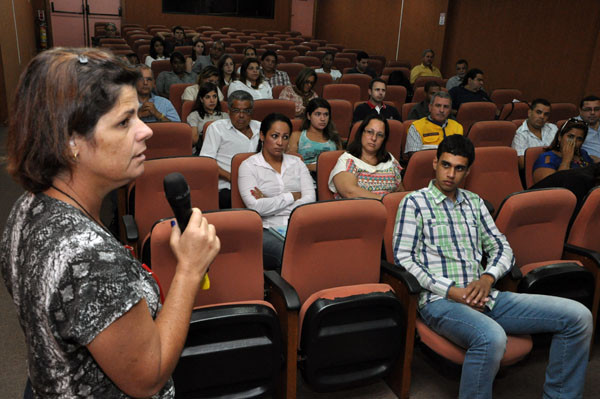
pixel 524 380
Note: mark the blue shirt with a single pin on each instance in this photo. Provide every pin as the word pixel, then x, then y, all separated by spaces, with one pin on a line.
pixel 551 160
pixel 592 142
pixel 163 106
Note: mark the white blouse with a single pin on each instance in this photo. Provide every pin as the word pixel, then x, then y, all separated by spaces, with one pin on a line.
pixel 263 92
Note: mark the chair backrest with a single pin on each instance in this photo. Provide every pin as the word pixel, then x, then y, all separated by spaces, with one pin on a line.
pixel 494 174
pixel 175 92
pixel 288 54
pixel 361 81
pixel 584 231
pixel 276 90
pixel 263 108
pixel 322 80
pixel 531 155
pixel 201 173
pixel 512 111
pixel 535 223
pixel 422 80
pixel 185 50
pixel 315 53
pixel 397 95
pixel 325 163
pixel 186 109
pixel 403 134
pixel 406 107
pixel 505 96
pixel 169 139
pixel 300 49
pixel 349 56
pixel 560 111
pixel 350 92
pixel 341 63
pixel 469 113
pixel 419 94
pixel 308 61
pixel 376 64
pixel 159 66
pixel 292 69
pixel 391 202
pixel 492 133
pixel 333 244
pixel 236 274
pixel 419 170
pixel 341 115
pixel 236 161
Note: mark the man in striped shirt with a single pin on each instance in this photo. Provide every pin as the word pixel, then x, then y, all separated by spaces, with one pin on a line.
pixel 441 236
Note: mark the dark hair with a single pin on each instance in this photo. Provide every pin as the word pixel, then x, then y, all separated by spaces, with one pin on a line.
pixel 176 55
pixel 427 50
pixel 360 55
pixel 566 128
pixel 207 72
pixel 355 147
pixel 303 76
pixel 471 74
pixel 268 53
pixel 372 82
pixel 204 89
pixel 330 132
pixel 220 66
pixel 331 53
pixel 196 40
pixel 431 83
pixel 248 48
pixel 70 89
pixel 152 51
pixel 244 67
pixel 458 145
pixel 177 28
pixel 537 101
pixel 588 98
pixel 462 61
pixel 268 121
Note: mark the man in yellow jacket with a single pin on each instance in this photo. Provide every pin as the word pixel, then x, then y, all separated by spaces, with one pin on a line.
pixel 426 67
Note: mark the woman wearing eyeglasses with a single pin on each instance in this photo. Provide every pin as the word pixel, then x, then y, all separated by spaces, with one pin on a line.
pixel 366 169
pixel 252 81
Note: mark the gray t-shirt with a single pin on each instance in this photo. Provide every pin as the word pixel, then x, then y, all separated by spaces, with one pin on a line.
pixel 69 279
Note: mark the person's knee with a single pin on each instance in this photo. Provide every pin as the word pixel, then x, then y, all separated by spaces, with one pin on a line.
pixel 580 318
pixel 493 340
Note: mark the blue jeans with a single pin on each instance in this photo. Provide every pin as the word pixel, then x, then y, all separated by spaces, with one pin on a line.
pixel 484 337
pixel 272 251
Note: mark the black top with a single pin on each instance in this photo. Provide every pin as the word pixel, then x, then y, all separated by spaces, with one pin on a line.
pixel 364 110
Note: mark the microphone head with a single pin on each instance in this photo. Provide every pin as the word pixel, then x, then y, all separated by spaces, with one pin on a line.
pixel 175 186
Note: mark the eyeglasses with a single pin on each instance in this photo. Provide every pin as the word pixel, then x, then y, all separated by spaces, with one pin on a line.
pixel 572 121
pixel 373 133
pixel 589 109
pixel 246 111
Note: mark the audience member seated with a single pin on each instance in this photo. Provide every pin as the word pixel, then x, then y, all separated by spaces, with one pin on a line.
pixel 206 109
pixel 178 39
pixel 110 31
pixel 375 104
pixel 269 70
pixel 208 74
pixel 157 51
pixel 471 89
pixel 427 133
pixel 535 131
pixel 226 69
pixel 274 183
pixel 132 59
pixel 317 134
pixel 461 70
pixel 217 50
pixel 366 169
pixel 564 152
pixel 362 65
pixel 198 60
pixel 426 67
pixel 153 108
pixel 228 137
pixel 176 75
pixel 589 112
pixel 252 81
pixel 250 52
pixel 327 66
pixel 421 110
pixel 302 92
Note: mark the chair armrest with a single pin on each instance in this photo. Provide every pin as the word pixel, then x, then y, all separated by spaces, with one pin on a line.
pixel 400 273
pixel 277 284
pixel 581 254
pixel 131 230
pixel 510 280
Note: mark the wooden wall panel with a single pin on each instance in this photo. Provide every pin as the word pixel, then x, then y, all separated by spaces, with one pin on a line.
pixel 146 12
pixel 545 49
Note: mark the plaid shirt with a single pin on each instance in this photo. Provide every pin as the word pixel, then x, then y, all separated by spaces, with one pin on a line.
pixel 442 242
pixel 279 78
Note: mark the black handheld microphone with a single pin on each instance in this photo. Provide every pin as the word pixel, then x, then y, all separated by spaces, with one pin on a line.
pixel 177 192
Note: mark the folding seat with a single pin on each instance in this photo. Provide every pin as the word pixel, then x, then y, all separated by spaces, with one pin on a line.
pixel 380 58
pixel 388 71
pixel 419 170
pixel 469 113
pixel 353 50
pixel 257 42
pixel 492 133
pixel 228 41
pixel 419 94
pixel 341 115
pixel 559 111
pixel 237 59
pixel 245 38
pixel 293 33
pixel 361 81
pixel 112 40
pixel 280 58
pixel 142 50
pixel 531 155
pixel 296 124
pixel 406 109
pixel 323 79
pixel 376 65
pixel 272 32
pixel 186 109
pixel 236 161
pixel 347 329
pixel 288 54
pixel 154 31
pixel 263 108
pixel 494 174
pixel 424 79
pixel 281 36
pixel 307 61
pixel 313 46
pixel 249 31
pixel 505 96
pixel 296 40
pixel 349 56
pixel 234 343
pixel 325 164
pixel 518 122
pixel 349 92
pixel 403 135
pixel 169 139
pixel 535 224
pixel 175 92
pixel 235 34
pixel 136 36
pixel 327 48
pixel 123 26
pixel 227 29
pixel 512 111
pixel 339 47
pixel 300 49
pixel 397 95
pixel 292 69
pixel 315 53
pixel 159 66
pixel 340 63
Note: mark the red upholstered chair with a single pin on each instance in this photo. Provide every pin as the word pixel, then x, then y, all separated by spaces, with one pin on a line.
pixel 394 143
pixel 399 63
pixel 361 81
pixel 424 79
pixel 403 135
pixel 159 66
pixel 300 49
pixel 307 61
pixel 349 92
pixel 169 139
pixel 263 108
pixel 341 63
pixel 331 260
pixel 288 54
pixel 272 47
pixel 376 65
pixel 232 329
pixel 512 111
pixel 239 47
pixel 322 80
pixel 492 133
pixel 236 161
pixel 469 113
pixel 419 170
pixel 419 94
pixel 296 124
pixel 186 109
pixel 292 69
pixel 315 53
pixel 505 96
pixel 285 44
pixel 560 111
pixel 531 155
pixel 341 115
pixel 396 94
pixel 494 174
pixel 175 92
pixel 389 69
pixel 276 90
pixel 350 56
pixel 325 164
pixel 312 45
pixel 406 107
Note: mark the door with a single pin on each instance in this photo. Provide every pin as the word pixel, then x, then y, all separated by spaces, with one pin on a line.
pixel 303 16
pixel 103 11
